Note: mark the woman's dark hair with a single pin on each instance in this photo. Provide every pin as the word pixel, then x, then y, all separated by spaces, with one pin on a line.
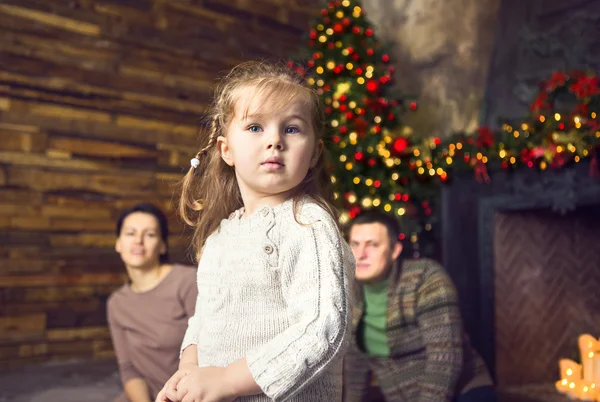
pixel 160 218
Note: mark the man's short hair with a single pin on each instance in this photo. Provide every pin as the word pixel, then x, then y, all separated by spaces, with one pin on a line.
pixel 372 216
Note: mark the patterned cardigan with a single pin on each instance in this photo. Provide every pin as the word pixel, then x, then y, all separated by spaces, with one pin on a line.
pixel 431 359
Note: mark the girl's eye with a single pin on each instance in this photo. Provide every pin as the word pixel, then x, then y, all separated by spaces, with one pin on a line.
pixel 292 130
pixel 254 129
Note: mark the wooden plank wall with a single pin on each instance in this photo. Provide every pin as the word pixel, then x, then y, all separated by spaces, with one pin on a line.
pixel 99 108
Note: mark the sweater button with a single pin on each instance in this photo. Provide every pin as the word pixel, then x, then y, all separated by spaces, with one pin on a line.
pixel 265 211
pixel 268 248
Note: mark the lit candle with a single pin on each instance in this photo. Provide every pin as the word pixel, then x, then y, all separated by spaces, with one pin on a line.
pixel 596 368
pixel 569 370
pixel 562 386
pixel 587 346
pixel 587 393
pixel 573 390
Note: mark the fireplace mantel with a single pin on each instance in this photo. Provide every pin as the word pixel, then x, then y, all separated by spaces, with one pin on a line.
pixel 468 232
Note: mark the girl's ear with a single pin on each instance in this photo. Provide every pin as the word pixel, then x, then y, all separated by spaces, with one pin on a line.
pixel 225 150
pixel 318 151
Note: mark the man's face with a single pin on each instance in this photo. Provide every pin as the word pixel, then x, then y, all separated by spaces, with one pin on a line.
pixel 373 250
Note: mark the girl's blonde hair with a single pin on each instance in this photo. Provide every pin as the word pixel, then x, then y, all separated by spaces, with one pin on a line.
pixel 210 193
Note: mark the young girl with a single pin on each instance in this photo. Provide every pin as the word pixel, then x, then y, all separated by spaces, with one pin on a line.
pixel 272 314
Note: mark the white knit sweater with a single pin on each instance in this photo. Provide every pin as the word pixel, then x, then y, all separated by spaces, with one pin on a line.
pixel 276 292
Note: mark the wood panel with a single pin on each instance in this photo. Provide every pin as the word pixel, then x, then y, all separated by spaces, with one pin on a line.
pixel 100 105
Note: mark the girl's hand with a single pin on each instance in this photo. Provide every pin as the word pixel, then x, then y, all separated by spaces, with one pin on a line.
pixel 203 384
pixel 169 392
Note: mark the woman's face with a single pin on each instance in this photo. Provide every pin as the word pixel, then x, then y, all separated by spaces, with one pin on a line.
pixel 139 243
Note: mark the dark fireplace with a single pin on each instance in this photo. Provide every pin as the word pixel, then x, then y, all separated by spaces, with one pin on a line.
pixel 524 253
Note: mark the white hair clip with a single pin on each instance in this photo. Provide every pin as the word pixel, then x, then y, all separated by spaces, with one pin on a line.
pixel 195 162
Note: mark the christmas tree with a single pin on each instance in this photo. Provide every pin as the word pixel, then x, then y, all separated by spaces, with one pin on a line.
pixel 371 150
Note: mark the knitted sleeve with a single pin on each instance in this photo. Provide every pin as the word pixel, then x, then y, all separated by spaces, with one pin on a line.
pixel 315 284
pixel 439 318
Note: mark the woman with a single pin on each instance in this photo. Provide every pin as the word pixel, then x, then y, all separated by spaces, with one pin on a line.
pixel 148 315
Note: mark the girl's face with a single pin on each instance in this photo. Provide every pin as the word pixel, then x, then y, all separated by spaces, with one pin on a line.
pixel 271 148
pixel 139 243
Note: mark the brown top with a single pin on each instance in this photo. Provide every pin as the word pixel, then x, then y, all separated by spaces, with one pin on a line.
pixel 147 328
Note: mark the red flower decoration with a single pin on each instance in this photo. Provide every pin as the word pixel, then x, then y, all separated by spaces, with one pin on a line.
pixel 485 137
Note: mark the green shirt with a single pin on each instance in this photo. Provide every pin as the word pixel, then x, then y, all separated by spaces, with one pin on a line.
pixel 375 338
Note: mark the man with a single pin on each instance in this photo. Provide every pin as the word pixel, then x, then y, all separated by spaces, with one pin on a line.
pixel 408 343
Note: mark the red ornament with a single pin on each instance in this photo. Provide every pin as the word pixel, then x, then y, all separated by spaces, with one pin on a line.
pixel 328 110
pixel 368 32
pixel 398 196
pixel 313 34
pixel 356 30
pixel 346 21
pixel 401 236
pixel 353 212
pixel 337 70
pixel 372 162
pixel 385 58
pixel 405 197
pixel 372 86
pixel 316 56
pixel 437 141
pixel 331 45
pixel 343 108
pixel 343 129
pixel 336 139
pixel 324 12
pixel 350 49
pixel 326 20
pixel 370 52
pixel 358 71
pixel 343 98
pixel 377 183
pixel 413 105
pixel 311 63
pixel 360 125
pixel 356 56
pixel 561 126
pixel 391 69
pixel 400 144
pixel 358 156
pixel 337 28
pixel 349 115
